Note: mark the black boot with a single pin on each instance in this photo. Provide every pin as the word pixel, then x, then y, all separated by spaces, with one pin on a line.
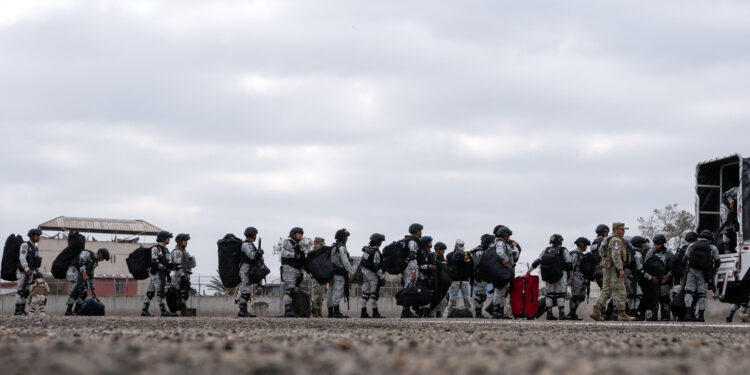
pixel 640 315
pixel 77 308
pixel 376 314
pixel 405 313
pixel 654 316
pixel 478 313
pixel 574 315
pixel 331 313
pixel 243 312
pixel 550 316
pixel 144 310
pixel 730 317
pixel 665 315
pixel 689 316
pixel 18 310
pixel 497 312
pixel 289 311
pixel 700 316
pixel 363 313
pixel 69 310
pixel 561 314
pixel 337 313
pixel 166 313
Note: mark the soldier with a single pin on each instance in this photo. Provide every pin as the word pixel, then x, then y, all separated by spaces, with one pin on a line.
pixel 161 263
pixel 409 276
pixel 678 272
pixel 480 285
pixel 292 260
pixel 249 255
pixel 613 274
pixel 427 266
pixel 644 295
pixel 702 260
pixel 557 260
pixel 578 284
pixel 38 300
pixel 664 283
pixel 372 275
pixel 729 223
pixel 460 283
pixel 343 267
pixel 184 263
pixel 507 251
pixel 29 262
pixel 317 291
pixel 80 277
pixel 602 232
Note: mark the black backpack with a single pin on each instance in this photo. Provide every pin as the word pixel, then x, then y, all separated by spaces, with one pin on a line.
pixel 676 265
pixel 63 261
pixel 258 272
pixel 415 295
pixel 396 257
pixel 654 266
pixel 229 260
pixel 462 266
pixel 11 251
pixel 319 265
pixel 138 262
pixel 588 266
pixel 174 302
pixel 700 256
pixel 491 269
pixel 551 265
pixel 301 303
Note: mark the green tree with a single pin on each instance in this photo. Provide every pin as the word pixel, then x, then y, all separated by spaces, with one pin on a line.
pixel 215 285
pixel 306 244
pixel 670 221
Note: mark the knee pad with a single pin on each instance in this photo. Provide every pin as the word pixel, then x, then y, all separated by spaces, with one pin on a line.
pixel 160 294
pixel 366 296
pixel 150 295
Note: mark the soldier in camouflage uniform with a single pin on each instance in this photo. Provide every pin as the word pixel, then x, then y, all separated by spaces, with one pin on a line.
pixel 480 285
pixel 664 283
pixel 698 275
pixel 38 300
pixel 342 276
pixel 292 260
pixel 372 275
pixel 80 277
pixel 507 251
pixel 161 262
pixel 578 283
pixel 317 292
pixel 249 255
pixel 613 280
pixel 29 262
pixel 556 290
pixel 183 268
pixel 409 277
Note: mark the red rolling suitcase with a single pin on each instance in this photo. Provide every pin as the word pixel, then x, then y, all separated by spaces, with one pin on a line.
pixel 524 296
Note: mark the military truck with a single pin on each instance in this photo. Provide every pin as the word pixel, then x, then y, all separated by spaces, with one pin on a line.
pixel 722 189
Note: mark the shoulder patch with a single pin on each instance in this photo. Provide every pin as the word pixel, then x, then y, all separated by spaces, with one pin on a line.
pixel 616 245
pixel 365 256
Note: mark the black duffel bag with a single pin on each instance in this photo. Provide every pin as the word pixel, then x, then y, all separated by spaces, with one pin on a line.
pixel 414 296
pixel 654 266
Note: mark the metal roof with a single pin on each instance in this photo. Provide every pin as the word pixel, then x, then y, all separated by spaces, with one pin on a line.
pixel 89 225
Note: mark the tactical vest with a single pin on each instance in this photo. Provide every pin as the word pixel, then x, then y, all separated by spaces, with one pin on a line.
pixel 295 262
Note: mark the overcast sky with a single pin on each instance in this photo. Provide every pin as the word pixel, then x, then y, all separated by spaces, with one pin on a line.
pixel 209 116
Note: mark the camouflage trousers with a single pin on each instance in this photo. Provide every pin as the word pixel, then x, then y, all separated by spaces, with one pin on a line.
pixel 335 291
pixel 370 282
pixel 556 292
pixel 291 276
pixel 456 286
pixel 480 294
pixel 696 287
pixel 612 285
pixel 22 287
pixel 245 287
pixel 157 285
pixel 37 304
pixel 317 295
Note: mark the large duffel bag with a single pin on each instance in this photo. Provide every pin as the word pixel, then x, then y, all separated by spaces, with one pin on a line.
pixel 654 266
pixel 318 264
pixel 301 303
pixel 258 272
pixel 395 257
pixel 11 251
pixel 63 261
pixel 138 262
pixel 92 307
pixel 174 302
pixel 491 269
pixel 461 313
pixel 677 306
pixel 413 296
pixel 229 260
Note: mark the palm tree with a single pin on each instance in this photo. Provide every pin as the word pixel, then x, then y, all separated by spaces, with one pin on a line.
pixel 218 287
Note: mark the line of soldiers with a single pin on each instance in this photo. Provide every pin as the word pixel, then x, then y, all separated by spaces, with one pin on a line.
pixel 173 267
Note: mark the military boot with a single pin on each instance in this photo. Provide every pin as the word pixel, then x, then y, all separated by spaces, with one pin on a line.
pixel 665 315
pixel 622 317
pixel 69 310
pixel 77 308
pixel 289 311
pixel 641 316
pixel 550 315
pixel 561 314
pixel 596 314
pixel 376 314
pixel 243 312
pixel 363 313
pixel 689 316
pixel 18 310
pixel 316 313
pixel 700 316
pixel 654 316
pixel 144 310
pixel 166 313
pixel 330 313
pixel 573 315
pixel 730 317
pixel 405 313
pixel 337 313
pixel 478 313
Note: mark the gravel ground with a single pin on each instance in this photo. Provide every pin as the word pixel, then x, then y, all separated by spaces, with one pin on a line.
pixel 60 345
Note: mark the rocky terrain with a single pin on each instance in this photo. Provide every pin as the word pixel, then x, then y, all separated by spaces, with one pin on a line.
pixel 60 345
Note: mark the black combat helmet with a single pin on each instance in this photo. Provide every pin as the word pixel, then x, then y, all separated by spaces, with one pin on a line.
pixel 638 241
pixel 163 235
pixel 376 238
pixel 660 239
pixel 556 239
pixel 440 246
pixel 415 228
pixel 182 237
pixel 487 240
pixel 34 232
pixel 250 231
pixel 104 253
pixel 296 230
pixel 691 236
pixel 582 241
pixel 602 229
pixel 503 231
pixel 342 234
pixel 497 228
pixel 706 234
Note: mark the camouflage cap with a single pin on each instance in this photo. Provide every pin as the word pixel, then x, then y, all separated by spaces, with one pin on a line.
pixel 619 226
pixel 319 240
